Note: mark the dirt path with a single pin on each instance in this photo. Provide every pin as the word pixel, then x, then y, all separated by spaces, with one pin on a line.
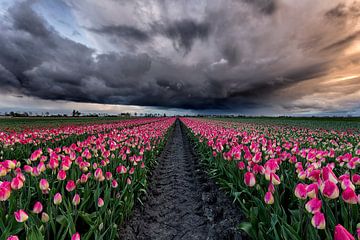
pixel 182 203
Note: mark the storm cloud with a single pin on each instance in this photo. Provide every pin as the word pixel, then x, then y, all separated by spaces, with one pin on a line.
pixel 233 55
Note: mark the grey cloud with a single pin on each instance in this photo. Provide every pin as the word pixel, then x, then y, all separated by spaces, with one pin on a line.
pixel 123 31
pixel 219 55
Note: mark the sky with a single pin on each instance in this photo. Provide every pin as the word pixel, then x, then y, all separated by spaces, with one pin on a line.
pixel 249 57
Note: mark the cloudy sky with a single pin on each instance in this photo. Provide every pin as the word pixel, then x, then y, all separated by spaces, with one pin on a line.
pixel 231 56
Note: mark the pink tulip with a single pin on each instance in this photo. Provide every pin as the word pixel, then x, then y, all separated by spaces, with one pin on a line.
pixel 75 236
pixel 61 175
pixel 312 190
pixel 100 202
pixel 17 183
pixel 5 191
pixel 329 189
pixel 38 207
pixel 44 185
pixel 114 184
pixel 341 233
pixel 356 179
pixel 349 196
pixel 269 198
pixel 76 200
pixel 57 199
pixel 329 175
pixel 21 216
pixel 313 205
pixel 13 237
pixel 45 217
pixel 249 179
pixel 300 191
pixel 70 186
pixel 318 220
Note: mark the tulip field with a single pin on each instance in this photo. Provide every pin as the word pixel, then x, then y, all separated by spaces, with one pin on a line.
pixel 291 182
pixel 82 181
pixel 75 181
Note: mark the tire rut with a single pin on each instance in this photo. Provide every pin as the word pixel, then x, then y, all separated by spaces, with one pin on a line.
pixel 182 203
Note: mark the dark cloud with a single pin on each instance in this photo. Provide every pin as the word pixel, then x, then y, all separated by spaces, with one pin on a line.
pixel 265 6
pixel 184 33
pixel 123 31
pixel 219 55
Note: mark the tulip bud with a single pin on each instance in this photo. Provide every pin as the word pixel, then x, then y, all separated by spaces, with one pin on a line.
pixel 249 179
pixel 318 220
pixel 76 200
pixel 75 236
pixel 329 189
pixel 57 199
pixel 349 196
pixel 13 237
pixel 300 191
pixel 21 216
pixel 44 185
pixel 70 186
pixel 38 207
pixel 313 205
pixel 100 202
pixel 341 233
pixel 45 217
pixel 269 198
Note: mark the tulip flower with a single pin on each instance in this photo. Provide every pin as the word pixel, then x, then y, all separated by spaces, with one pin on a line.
pixel 17 183
pixel 61 175
pixel 312 190
pixel 13 237
pixel 5 191
pixel 75 236
pixel 38 207
pixel 70 186
pixel 349 196
pixel 44 185
pixel 329 189
pixel 76 200
pixel 21 216
pixel 356 179
pixel 57 199
pixel 249 179
pixel 269 198
pixel 341 233
pixel 313 205
pixel 45 217
pixel 100 202
pixel 318 220
pixel 114 184
pixel 300 191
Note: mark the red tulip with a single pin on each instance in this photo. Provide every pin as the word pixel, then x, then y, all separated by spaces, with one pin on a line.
pixel 17 183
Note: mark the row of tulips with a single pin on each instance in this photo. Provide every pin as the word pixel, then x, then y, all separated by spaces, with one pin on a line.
pixel 21 144
pixel 291 182
pixel 83 190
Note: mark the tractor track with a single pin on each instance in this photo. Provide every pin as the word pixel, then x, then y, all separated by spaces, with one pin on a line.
pixel 182 202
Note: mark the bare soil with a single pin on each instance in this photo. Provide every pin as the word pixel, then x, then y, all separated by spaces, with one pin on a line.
pixel 182 202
